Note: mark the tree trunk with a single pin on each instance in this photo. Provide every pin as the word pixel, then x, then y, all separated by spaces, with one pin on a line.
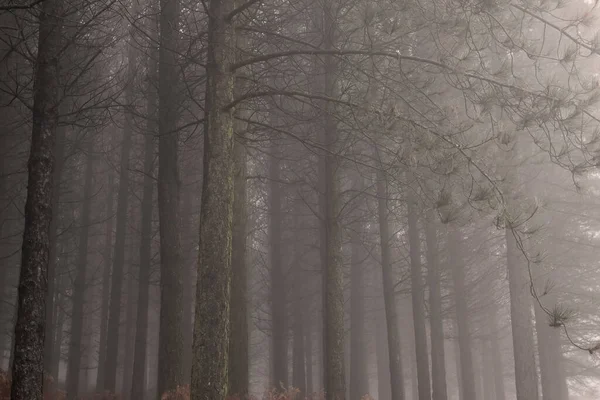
pixel 550 352
pixel 78 296
pixel 239 340
pixel 114 315
pixel 28 360
pixel 520 312
pixel 138 386
pixel 298 361
pixel 308 349
pixel 333 318
pixel 106 274
pixel 359 379
pixel 384 384
pixel 496 356
pixel 462 315
pixel 278 290
pixel 389 297
pixel 211 323
pixel 170 350
pixel 130 321
pixel 417 295
pixel 438 357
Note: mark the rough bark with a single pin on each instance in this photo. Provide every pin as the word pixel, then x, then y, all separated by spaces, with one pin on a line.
pixel 359 379
pixel 418 306
pixel 389 297
pixel 521 321
pixel 28 355
pixel 467 373
pixel 278 285
pixel 239 340
pixel 170 350
pixel 438 357
pixel 211 324
pixel 78 296
pixel 106 274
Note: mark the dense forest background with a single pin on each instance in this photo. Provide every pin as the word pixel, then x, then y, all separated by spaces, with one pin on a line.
pixel 297 199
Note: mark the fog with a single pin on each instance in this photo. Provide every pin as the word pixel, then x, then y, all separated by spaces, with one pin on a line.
pixel 299 200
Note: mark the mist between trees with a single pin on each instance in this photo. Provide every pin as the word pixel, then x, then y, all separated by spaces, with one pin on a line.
pixel 299 199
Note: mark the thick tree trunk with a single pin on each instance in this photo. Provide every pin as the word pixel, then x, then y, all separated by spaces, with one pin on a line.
pixel 138 387
pixel 116 287
pixel 78 296
pixel 278 290
pixel 239 340
pixel 438 357
pixel 521 321
pixel 418 306
pixel 388 281
pixel 170 350
pixel 359 379
pixel 462 315
pixel 106 273
pixel 211 323
pixel 28 361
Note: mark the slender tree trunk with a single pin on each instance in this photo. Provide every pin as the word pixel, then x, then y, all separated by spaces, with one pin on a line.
pixel 138 387
pixel 389 297
pixel 211 323
pixel 467 373
pixel 106 273
pixel 487 370
pixel 459 385
pixel 28 361
pixel 333 319
pixel 278 290
pixel 49 362
pixel 521 321
pixel 550 352
pixel 359 380
pixel 298 360
pixel 418 306
pixel 308 349
pixel 384 384
pixel 78 297
pixel 239 340
pixel 130 321
pixel 438 357
pixel 496 356
pixel 114 315
pixel 170 350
